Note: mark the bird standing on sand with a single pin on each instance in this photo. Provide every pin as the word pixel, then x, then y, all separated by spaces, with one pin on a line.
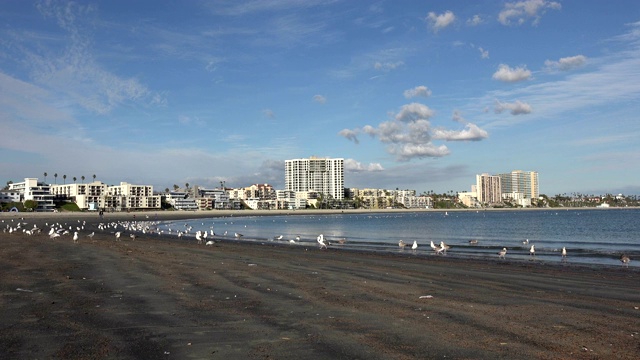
pixel 444 247
pixel 238 235
pixel 91 235
pixel 321 241
pixel 118 236
pixel 625 260
pixel 75 237
pixel 402 244
pixel 414 247
pixel 564 253
pixel 532 251
pixel 502 254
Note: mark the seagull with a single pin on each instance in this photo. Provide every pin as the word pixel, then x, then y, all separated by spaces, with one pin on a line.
pixel 532 251
pixel 278 237
pixel 75 236
pixel 414 247
pixel 238 235
pixel 321 241
pixel 199 237
pixel 525 242
pixel 118 236
pixel 91 235
pixel 210 242
pixel 132 236
pixel 402 244
pixel 564 253
pixel 444 247
pixel 473 242
pixel 502 254
pixel 625 260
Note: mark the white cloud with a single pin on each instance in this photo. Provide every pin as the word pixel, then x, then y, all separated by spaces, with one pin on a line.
pixel 566 63
pixel 352 165
pixel 319 99
pixel 417 91
pixel 409 134
pixel 439 22
pixel 413 112
pixel 475 20
pixel 508 74
pixel 349 134
pixel 269 113
pixel 471 132
pixel 521 11
pixel 483 53
pixel 515 108
pixel 387 66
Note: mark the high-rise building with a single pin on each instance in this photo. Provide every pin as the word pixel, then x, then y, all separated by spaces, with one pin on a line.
pixel 488 189
pixel 520 182
pixel 322 175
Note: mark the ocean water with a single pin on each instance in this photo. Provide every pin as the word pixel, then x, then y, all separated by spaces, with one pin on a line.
pixel 590 236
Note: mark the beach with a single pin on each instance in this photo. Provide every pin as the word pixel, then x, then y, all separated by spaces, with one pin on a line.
pixel 159 298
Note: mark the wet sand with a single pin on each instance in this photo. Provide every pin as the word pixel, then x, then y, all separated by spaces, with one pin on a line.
pixel 164 298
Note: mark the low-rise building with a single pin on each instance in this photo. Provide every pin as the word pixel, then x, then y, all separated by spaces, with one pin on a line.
pixel 32 189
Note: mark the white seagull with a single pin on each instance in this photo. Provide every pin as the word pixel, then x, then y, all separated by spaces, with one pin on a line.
pixel 532 251
pixel 502 254
pixel 444 247
pixel 564 253
pixel 414 247
pixel 75 237
pixel 238 235
pixel 402 244
pixel 118 236
pixel 625 260
pixel 321 241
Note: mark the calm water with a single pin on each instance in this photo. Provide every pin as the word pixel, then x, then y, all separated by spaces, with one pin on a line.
pixel 590 236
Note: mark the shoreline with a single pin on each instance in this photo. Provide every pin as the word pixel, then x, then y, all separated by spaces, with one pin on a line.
pixel 155 297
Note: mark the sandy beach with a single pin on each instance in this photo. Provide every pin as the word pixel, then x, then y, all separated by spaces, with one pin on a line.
pixel 160 298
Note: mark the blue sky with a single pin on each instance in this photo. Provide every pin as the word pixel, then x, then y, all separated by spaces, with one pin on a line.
pixel 417 95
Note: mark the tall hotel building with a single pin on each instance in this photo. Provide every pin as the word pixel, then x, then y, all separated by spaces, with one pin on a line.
pixel 488 189
pixel 322 175
pixel 523 182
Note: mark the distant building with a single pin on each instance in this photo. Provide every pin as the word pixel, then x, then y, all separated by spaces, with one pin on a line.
pixel 180 200
pixel 87 196
pixel 518 181
pixel 32 189
pixel 322 175
pixel 129 196
pixel 488 189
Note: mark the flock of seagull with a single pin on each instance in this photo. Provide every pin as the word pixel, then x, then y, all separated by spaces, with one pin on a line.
pixel 57 230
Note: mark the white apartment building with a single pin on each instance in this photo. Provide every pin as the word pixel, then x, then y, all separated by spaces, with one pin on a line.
pixel 87 196
pixel 488 190
pixel 32 189
pixel 518 181
pixel 180 200
pixel 129 196
pixel 322 175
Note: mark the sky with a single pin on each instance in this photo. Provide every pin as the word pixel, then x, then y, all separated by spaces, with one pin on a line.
pixel 420 95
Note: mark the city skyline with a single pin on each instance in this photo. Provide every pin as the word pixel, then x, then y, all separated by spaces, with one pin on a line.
pixel 412 95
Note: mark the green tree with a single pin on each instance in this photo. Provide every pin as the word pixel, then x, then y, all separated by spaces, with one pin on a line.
pixel 30 205
pixel 82 177
pixel 94 177
pixel 74 179
pixel 175 187
pixel 64 177
pixel 56 177
pixel 45 177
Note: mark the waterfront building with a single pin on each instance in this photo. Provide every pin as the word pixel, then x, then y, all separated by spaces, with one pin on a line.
pixel 180 200
pixel 518 181
pixel 129 196
pixel 488 189
pixel 87 196
pixel 322 175
pixel 32 189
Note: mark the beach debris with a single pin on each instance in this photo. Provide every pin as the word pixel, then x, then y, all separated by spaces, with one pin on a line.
pixel 24 290
pixel 426 297
pixel 253 264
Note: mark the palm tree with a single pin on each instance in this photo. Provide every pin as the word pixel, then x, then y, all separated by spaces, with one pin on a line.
pixel 45 177
pixel 82 177
pixel 65 178
pixel 56 177
pixel 94 177
pixel 187 186
pixel 74 179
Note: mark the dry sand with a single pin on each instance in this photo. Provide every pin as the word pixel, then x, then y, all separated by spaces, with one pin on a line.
pixel 162 298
